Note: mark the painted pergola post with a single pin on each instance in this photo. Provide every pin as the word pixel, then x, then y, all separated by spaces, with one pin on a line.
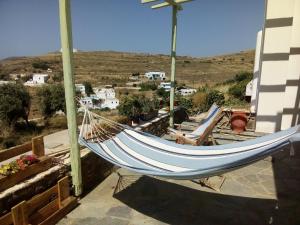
pixel 173 64
pixel 176 5
pixel 67 58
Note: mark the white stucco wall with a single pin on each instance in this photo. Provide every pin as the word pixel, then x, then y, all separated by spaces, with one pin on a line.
pixel 256 72
pixel 277 98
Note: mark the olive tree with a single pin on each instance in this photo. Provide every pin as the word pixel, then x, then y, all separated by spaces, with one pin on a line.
pixel 52 99
pixel 14 103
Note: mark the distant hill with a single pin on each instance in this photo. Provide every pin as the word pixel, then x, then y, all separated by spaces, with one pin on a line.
pixel 107 67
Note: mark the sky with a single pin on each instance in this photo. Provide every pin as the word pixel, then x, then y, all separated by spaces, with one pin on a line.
pixel 205 27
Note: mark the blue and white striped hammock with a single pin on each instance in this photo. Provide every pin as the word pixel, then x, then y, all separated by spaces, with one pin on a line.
pixel 151 155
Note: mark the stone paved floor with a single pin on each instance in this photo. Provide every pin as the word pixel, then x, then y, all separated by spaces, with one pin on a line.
pixel 263 193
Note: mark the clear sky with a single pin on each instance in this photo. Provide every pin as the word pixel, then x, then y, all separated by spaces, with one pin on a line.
pixel 205 27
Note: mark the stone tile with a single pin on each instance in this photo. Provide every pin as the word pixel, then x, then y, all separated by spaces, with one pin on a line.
pixel 111 221
pixel 120 211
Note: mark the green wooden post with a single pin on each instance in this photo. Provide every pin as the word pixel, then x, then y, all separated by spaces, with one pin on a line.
pixel 67 56
pixel 173 63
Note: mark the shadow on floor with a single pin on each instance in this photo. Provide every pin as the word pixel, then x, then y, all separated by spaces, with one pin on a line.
pixel 178 205
pixel 287 181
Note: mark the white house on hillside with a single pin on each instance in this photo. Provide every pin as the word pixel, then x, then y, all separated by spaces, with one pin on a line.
pixel 156 75
pixel 187 91
pixel 40 78
pixel 80 88
pixel 103 98
pixel 104 93
pixel 111 103
pixel 37 79
pixel 165 85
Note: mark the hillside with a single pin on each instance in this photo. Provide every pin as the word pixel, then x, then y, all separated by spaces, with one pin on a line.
pixel 107 67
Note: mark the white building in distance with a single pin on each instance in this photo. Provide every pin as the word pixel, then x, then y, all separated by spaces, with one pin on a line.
pixel 37 79
pixel 156 75
pixel 103 98
pixel 80 88
pixel 187 91
pixel 165 85
pixel 105 93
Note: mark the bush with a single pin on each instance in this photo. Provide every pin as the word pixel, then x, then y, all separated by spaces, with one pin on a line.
pixel 185 103
pixel 51 99
pixel 235 102
pixel 148 86
pixel 239 90
pixel 40 65
pixel 215 96
pixel 88 88
pixel 203 100
pixel 239 78
pixel 14 103
pixel 199 101
pixel 130 106
pixel 243 76
pixel 57 122
pixel 133 106
pixel 9 142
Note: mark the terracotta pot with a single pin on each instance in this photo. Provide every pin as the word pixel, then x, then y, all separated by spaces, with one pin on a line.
pixel 238 121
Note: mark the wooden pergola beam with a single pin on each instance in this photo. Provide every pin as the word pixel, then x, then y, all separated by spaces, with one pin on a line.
pixel 148 1
pixel 168 3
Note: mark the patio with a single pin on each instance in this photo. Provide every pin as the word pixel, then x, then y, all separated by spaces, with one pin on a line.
pixel 262 193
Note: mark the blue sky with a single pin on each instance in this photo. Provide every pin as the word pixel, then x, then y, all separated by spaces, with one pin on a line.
pixel 205 27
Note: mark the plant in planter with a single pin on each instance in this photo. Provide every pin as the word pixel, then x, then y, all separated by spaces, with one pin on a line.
pixel 17 165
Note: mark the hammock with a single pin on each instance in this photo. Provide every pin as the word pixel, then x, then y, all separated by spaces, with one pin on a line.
pixel 150 155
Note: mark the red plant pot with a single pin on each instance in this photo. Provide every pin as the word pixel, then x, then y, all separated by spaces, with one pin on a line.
pixel 238 121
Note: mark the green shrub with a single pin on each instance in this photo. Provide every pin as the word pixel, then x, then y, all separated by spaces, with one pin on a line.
pixel 130 106
pixel 9 142
pixel 51 99
pixel 239 90
pixel 243 76
pixel 133 106
pixel 57 122
pixel 14 103
pixel 185 103
pixel 40 65
pixel 235 102
pixel 148 86
pixel 215 96
pixel 88 88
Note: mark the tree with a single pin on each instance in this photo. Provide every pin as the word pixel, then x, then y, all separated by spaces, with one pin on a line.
pixel 14 103
pixel 88 88
pixel 52 99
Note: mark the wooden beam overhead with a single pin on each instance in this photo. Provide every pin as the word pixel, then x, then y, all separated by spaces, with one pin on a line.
pixel 148 1
pixel 182 1
pixel 165 4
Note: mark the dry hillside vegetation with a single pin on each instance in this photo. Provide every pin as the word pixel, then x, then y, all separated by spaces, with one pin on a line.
pixel 106 67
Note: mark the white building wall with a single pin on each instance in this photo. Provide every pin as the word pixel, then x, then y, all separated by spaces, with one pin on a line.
pixel 290 115
pixel 256 72
pixel 278 67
